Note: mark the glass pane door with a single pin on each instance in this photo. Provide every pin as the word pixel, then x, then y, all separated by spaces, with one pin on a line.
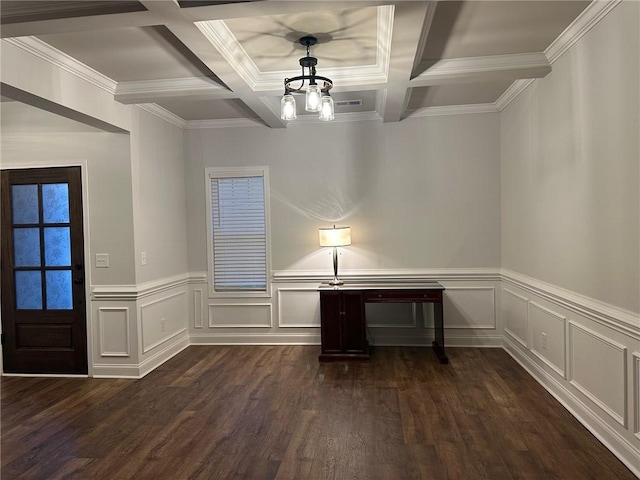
pixel 42 246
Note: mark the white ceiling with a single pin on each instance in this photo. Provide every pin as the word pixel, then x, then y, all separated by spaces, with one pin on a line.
pixel 211 61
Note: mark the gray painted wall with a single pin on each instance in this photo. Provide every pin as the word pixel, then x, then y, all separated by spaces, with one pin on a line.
pixel 423 193
pixel 570 148
pixel 108 171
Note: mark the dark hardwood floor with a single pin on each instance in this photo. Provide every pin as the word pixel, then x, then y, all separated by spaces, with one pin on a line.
pixel 276 413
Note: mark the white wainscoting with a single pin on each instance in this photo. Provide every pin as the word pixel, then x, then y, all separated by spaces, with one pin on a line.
pixel 590 361
pixel 636 394
pixel 240 315
pixel 585 362
pixel 298 308
pixel 599 370
pixel 470 307
pixel 471 311
pixel 516 318
pixel 394 315
pixel 113 332
pixel 548 337
pixel 161 319
pixel 139 327
pixel 197 308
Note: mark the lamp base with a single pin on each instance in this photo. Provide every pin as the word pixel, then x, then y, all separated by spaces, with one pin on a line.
pixel 336 282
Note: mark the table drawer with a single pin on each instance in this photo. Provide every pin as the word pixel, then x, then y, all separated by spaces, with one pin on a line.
pixel 403 296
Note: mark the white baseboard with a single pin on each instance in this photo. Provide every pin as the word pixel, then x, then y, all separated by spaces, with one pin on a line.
pixel 137 371
pixel 425 340
pixel 473 341
pixel 167 352
pixel 255 339
pixel 616 443
pixel 116 371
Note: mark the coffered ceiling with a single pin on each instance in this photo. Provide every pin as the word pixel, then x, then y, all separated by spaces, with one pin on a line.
pixel 211 62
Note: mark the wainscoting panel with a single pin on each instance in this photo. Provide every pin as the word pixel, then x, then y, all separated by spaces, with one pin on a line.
pixel 548 337
pixel 298 308
pixel 470 307
pixel 113 331
pixel 391 315
pixel 244 315
pixel 636 394
pixel 197 308
pixel 162 318
pixel 139 326
pixel 599 370
pixel 515 314
pixel 601 386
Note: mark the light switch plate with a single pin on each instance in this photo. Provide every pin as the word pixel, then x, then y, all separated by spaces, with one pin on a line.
pixel 102 260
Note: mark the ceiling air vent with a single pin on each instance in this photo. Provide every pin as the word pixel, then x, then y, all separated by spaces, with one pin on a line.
pixel 348 103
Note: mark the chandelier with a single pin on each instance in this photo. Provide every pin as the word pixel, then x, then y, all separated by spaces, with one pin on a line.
pixel 317 96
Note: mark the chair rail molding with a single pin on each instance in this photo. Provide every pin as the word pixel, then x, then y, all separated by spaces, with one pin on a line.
pixel 390 275
pixel 621 320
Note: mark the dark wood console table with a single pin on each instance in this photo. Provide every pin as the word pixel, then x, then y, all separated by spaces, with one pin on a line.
pixel 343 322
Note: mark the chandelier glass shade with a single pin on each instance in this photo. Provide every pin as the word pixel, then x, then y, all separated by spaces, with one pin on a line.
pixel 315 87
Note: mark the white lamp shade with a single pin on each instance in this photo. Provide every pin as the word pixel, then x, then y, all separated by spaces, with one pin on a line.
pixel 335 236
pixel 288 107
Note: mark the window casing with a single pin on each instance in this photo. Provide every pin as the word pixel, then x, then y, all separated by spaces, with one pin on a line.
pixel 238 244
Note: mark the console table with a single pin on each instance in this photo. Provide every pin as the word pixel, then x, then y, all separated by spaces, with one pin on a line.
pixel 342 315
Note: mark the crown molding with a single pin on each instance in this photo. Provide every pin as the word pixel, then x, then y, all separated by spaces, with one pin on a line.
pixel 301 120
pixel 46 52
pixel 339 117
pixel 221 37
pixel 454 110
pixel 164 114
pixel 385 34
pixel 515 89
pixel 590 17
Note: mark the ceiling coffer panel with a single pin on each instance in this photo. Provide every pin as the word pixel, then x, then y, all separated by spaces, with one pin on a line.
pixel 345 37
pixel 15 11
pixel 131 54
pixel 217 60
pixel 477 29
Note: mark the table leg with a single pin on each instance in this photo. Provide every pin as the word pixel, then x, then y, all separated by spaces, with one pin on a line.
pixel 438 343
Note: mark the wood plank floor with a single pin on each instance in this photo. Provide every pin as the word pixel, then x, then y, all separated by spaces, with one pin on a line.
pixel 276 413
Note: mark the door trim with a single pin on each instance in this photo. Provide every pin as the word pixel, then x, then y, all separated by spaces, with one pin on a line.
pixel 84 175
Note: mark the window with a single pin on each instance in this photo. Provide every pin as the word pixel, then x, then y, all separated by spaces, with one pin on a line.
pixel 238 233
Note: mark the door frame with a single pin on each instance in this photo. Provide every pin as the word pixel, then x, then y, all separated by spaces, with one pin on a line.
pixel 84 175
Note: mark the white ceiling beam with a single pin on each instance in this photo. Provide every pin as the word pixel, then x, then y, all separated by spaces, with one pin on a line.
pixel 482 69
pixel 190 35
pixel 151 91
pixel 410 21
pixel 79 24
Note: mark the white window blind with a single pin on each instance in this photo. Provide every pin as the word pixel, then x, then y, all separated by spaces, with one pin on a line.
pixel 239 234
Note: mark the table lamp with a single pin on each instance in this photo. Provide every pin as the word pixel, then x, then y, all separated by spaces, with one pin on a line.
pixel 335 237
